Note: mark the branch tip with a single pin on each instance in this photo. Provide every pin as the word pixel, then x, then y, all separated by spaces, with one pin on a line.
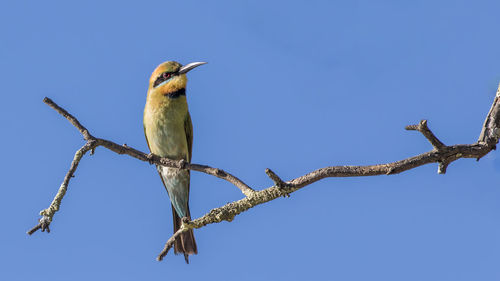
pixel 428 134
pixel 442 166
pixel 276 179
pixel 170 243
pixel 43 224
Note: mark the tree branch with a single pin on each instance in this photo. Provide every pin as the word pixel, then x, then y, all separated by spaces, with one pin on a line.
pixel 490 132
pixel 428 134
pixel 276 179
pixel 93 142
pixel 48 213
pixel 441 154
pixel 185 226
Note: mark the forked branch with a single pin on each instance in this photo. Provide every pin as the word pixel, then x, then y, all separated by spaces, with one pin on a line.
pixel 441 154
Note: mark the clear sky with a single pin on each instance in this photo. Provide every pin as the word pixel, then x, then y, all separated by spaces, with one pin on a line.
pixel 290 85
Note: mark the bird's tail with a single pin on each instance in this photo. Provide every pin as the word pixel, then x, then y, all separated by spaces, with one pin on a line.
pixel 185 243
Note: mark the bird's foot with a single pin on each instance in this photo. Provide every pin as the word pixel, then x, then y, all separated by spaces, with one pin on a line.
pixel 182 164
pixel 150 158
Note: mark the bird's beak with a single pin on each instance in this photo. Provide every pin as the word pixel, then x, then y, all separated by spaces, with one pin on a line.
pixel 189 66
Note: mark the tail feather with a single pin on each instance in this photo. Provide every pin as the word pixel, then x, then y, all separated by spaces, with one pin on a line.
pixel 186 244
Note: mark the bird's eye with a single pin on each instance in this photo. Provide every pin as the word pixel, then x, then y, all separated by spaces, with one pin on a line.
pixel 162 78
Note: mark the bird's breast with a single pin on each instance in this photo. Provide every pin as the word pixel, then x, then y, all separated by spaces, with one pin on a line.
pixel 164 129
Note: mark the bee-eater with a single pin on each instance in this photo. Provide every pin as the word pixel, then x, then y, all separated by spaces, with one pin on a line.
pixel 169 133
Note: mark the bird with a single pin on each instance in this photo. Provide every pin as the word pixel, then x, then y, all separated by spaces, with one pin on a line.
pixel 169 133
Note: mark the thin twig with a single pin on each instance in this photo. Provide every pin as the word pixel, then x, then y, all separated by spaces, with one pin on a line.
pixel 86 134
pixel 181 164
pixel 49 213
pixel 43 224
pixel 171 241
pixel 276 179
pixel 428 134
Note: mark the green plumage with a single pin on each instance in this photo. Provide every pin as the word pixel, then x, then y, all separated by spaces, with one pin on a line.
pixel 169 133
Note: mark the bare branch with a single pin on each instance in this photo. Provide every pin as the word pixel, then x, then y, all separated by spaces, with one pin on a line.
pixel 442 166
pixel 490 132
pixel 276 179
pixel 70 118
pixel 48 213
pixel 43 224
pixel 216 172
pixel 428 134
pixel 186 225
pixel 170 243
pixel 181 164
pixel 441 154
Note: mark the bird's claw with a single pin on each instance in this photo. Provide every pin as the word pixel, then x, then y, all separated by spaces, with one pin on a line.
pixel 182 164
pixel 150 157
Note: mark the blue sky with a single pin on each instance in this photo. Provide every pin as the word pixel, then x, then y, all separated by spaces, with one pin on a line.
pixel 290 85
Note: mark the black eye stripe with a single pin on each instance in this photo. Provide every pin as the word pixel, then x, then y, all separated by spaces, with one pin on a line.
pixel 162 77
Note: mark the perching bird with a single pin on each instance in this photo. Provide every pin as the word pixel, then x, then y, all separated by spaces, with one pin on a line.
pixel 169 133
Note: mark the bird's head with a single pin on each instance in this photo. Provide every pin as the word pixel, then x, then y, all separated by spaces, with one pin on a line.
pixel 170 76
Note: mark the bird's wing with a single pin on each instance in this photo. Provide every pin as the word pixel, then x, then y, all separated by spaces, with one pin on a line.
pixel 188 128
pixel 146 135
pixel 157 167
